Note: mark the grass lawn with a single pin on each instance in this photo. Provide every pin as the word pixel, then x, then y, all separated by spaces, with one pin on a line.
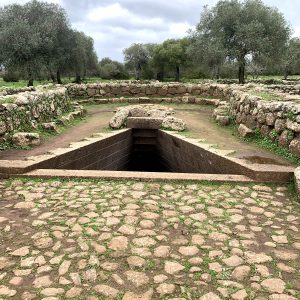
pixel 23 83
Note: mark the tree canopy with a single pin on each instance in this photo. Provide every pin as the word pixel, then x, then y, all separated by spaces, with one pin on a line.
pixel 37 38
pixel 245 28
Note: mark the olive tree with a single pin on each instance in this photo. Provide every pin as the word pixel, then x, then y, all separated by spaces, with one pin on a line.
pixel 29 36
pixel 111 69
pixel 245 28
pixel 36 38
pixel 207 53
pixel 172 54
pixel 136 57
pixel 291 57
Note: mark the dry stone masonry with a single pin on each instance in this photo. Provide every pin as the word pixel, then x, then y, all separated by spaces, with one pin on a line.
pixel 278 120
pixel 23 112
pixel 161 115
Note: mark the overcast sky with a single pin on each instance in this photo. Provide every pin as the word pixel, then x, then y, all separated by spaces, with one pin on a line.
pixel 116 24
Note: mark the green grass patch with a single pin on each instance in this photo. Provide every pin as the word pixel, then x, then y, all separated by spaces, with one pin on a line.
pixel 266 143
pixel 44 134
pixel 267 96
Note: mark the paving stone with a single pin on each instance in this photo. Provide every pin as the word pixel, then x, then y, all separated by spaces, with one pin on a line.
pixel 274 285
pixel 233 261
pixel 241 272
pixel 180 239
pixel 165 289
pixel 42 281
pixel 106 291
pixel 119 243
pixel 144 296
pixel 239 295
pixel 162 251
pixel 210 296
pixel 136 261
pixel 127 230
pixel 257 258
pixel 172 267
pixel 52 292
pixel 137 278
pixel 73 292
pixel 189 250
pixel 144 242
pixel 21 252
pixel 5 291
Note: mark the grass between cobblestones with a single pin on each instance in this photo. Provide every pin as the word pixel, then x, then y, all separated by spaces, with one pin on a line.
pixel 96 239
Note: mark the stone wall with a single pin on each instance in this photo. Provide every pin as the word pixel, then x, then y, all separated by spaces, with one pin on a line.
pixel 13 91
pixel 26 110
pixel 155 89
pixel 277 120
pixel 108 153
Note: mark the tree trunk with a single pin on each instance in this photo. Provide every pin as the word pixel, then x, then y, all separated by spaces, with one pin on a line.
pixel 138 73
pixel 52 77
pixel 177 74
pixel 242 65
pixel 217 72
pixel 286 74
pixel 58 77
pixel 30 78
pixel 78 78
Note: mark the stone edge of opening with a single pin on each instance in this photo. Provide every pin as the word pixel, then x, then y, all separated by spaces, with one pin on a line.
pixel 254 172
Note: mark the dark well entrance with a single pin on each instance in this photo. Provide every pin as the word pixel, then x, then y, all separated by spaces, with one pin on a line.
pixel 144 156
pixel 144 150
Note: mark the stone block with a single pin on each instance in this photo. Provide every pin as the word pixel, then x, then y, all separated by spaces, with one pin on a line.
pixel 244 131
pixel 144 123
pixel 26 139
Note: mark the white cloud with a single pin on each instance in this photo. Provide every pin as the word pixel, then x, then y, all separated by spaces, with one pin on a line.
pixel 118 14
pixel 296 32
pixel 7 2
pixel 110 12
pixel 116 24
pixel 179 29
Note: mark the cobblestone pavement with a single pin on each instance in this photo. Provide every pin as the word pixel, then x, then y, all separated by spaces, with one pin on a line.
pixel 103 240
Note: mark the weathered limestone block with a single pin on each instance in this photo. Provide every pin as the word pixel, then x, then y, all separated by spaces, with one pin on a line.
pixel 223 120
pixel 2 128
pixel 51 126
pixel 280 125
pixel 285 138
pixel 144 122
pixel 293 125
pixel 91 92
pixel 297 180
pixel 265 130
pixel 26 139
pixel 270 119
pixel 295 146
pixel 173 124
pixel 65 120
pixel 251 122
pixel 118 120
pixel 244 131
pixel 261 117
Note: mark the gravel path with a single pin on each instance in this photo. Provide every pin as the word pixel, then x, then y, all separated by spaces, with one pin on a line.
pixel 115 240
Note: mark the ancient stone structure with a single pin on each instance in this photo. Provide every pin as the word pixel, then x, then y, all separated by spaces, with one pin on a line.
pixel 278 120
pixel 28 110
pixel 159 116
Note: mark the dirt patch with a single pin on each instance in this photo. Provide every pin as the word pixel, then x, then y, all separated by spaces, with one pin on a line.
pixel 200 124
pixel 97 120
